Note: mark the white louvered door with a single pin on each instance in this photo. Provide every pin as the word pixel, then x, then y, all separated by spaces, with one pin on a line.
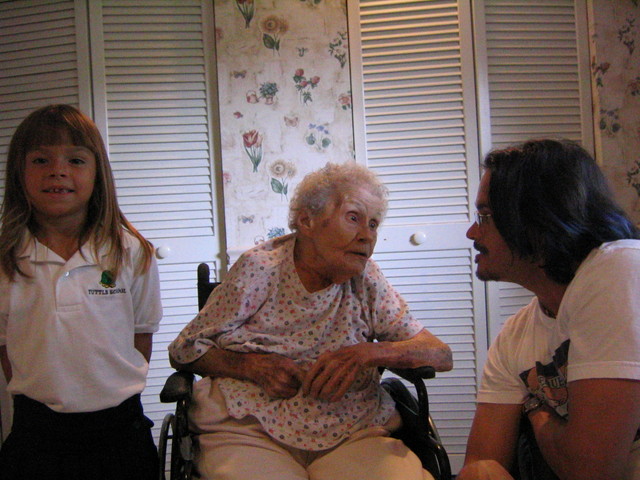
pixel 537 84
pixel 420 138
pixel 152 61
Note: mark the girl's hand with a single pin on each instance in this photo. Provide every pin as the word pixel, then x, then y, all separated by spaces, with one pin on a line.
pixel 334 372
pixel 278 375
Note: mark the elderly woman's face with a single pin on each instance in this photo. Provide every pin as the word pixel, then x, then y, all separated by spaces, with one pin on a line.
pixel 343 237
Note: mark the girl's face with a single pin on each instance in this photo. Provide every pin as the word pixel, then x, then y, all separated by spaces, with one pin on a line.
pixel 59 181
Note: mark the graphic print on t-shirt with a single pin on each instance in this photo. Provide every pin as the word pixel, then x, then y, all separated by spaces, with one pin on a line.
pixel 549 381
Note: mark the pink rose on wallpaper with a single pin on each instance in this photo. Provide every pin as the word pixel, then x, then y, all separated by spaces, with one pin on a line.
pixel 253 146
pixel 252 96
pixel 304 86
pixel 344 100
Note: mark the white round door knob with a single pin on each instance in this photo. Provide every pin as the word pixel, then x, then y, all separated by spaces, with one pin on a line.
pixel 163 251
pixel 418 238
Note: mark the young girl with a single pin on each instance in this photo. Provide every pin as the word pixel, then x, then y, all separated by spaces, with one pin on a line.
pixel 80 302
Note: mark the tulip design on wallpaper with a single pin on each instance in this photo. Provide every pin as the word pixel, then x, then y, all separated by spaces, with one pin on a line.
pixel 253 146
pixel 305 86
pixel 281 171
pixel 246 8
pixel 273 28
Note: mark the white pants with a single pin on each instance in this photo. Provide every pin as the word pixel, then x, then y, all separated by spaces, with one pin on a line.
pixel 232 449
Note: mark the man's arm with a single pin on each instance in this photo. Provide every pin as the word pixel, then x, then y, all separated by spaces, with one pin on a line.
pixel 492 442
pixel 595 442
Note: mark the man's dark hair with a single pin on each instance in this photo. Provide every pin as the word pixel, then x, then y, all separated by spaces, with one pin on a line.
pixel 551 203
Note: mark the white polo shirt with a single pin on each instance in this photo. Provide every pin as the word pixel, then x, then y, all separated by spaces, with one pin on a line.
pixel 69 330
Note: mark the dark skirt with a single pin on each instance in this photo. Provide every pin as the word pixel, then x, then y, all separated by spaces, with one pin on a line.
pixel 111 444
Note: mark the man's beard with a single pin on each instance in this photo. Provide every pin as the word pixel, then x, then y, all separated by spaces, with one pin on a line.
pixel 484 276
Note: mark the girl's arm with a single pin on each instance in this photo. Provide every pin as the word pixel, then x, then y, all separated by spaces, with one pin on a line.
pixel 6 365
pixel 144 344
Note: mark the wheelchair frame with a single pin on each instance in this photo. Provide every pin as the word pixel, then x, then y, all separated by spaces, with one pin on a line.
pixel 418 432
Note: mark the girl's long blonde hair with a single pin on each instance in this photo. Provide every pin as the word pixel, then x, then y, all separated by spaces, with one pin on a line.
pixel 105 223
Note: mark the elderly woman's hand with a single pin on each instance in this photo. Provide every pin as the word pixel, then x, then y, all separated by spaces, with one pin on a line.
pixel 334 372
pixel 278 375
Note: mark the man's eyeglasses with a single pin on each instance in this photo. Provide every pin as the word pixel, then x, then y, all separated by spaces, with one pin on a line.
pixel 482 218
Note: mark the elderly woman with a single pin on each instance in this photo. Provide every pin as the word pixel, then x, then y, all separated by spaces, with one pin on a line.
pixel 286 347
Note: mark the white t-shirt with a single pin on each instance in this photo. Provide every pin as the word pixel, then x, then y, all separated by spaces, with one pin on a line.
pixel 69 330
pixel 596 334
pixel 262 306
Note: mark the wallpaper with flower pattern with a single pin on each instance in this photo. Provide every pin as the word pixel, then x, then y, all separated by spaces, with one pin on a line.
pixel 285 106
pixel 615 67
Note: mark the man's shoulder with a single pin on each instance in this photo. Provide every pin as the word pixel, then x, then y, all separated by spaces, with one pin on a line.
pixel 620 252
pixel 611 264
pixel 629 244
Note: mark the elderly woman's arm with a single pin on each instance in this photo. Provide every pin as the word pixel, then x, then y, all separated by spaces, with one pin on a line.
pixel 279 376
pixel 334 372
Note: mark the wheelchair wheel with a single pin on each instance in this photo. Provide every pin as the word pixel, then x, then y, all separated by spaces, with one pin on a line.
pixel 181 463
pixel 162 444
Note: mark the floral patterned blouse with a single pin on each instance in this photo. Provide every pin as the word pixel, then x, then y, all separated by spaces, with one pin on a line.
pixel 262 306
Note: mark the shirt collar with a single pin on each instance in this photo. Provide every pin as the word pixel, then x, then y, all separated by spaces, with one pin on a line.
pixel 36 252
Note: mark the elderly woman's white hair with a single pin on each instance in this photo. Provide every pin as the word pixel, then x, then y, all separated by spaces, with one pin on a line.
pixel 332 183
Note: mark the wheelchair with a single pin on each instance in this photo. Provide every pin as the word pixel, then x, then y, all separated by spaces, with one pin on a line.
pixel 418 430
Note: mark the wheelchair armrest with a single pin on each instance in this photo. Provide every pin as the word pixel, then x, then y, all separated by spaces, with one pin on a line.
pixel 417 376
pixel 178 387
pixel 414 374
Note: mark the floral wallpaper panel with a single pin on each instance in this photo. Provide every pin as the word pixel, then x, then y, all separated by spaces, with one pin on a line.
pixel 615 67
pixel 285 106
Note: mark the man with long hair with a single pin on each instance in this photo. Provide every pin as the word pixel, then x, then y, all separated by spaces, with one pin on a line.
pixel 560 394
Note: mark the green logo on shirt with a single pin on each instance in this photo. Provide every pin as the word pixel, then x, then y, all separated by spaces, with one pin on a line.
pixel 107 280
